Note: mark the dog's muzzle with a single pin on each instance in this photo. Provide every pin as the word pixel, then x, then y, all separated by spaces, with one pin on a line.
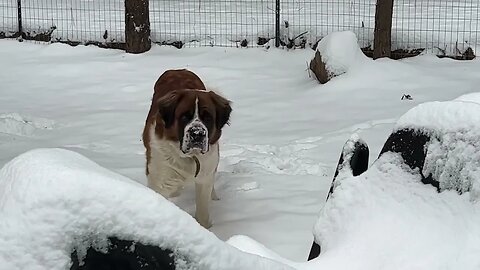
pixel 195 139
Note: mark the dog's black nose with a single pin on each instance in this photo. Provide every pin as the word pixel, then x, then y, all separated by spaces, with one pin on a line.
pixel 197 134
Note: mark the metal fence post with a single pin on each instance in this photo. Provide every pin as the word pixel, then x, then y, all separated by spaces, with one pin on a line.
pixel 19 17
pixel 277 23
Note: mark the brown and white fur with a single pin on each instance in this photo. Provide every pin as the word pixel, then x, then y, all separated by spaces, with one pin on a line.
pixel 181 136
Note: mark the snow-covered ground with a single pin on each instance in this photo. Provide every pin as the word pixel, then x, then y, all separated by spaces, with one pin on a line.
pixel 445 24
pixel 277 157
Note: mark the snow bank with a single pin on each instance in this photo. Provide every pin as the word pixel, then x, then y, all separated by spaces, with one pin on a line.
pixel 53 201
pixel 387 219
pixel 340 52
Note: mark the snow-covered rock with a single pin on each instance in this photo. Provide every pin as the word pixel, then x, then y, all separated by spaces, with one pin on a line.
pixel 336 54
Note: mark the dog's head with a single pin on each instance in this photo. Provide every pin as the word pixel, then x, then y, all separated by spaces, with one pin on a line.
pixel 193 118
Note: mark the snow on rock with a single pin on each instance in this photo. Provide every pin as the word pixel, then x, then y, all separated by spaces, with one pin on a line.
pixel 21 125
pixel 387 219
pixel 337 53
pixel 53 201
pixel 340 52
pixel 452 155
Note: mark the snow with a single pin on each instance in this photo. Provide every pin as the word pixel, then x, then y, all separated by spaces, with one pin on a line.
pixel 16 124
pixel 452 154
pixel 443 117
pixel 472 97
pixel 387 219
pixel 55 200
pixel 454 159
pixel 278 156
pixel 340 52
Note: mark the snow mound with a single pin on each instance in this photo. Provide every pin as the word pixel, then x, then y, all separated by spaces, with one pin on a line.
pixel 21 125
pixel 442 117
pixel 387 219
pixel 53 201
pixel 340 52
pixel 452 155
pixel 472 97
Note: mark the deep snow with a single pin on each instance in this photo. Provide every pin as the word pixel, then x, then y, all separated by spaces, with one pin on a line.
pixel 277 157
pixel 53 201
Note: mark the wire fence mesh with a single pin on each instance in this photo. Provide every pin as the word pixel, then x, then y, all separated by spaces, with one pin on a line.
pixel 440 26
pixel 312 20
pixel 8 18
pixel 76 21
pixel 211 23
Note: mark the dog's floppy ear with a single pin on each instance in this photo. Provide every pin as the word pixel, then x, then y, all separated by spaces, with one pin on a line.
pixel 166 107
pixel 223 110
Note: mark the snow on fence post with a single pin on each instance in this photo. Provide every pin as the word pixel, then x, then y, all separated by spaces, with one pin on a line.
pixel 382 41
pixel 137 26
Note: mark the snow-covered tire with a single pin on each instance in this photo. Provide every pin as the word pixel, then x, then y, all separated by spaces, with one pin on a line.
pixel 353 161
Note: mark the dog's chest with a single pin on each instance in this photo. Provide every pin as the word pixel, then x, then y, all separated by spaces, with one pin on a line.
pixel 167 161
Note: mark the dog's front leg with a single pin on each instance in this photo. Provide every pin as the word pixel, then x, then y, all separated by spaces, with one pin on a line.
pixel 214 194
pixel 203 193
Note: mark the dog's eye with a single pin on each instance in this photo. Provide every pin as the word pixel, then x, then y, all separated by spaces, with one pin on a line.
pixel 206 117
pixel 185 118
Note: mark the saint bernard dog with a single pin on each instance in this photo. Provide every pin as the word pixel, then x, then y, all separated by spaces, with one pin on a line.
pixel 181 136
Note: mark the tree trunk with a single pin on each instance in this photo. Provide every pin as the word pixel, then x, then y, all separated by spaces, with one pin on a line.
pixel 382 45
pixel 137 26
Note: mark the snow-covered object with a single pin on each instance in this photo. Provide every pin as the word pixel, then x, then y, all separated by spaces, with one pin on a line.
pixel 472 97
pixel 387 218
pixel 53 201
pixel 452 155
pixel 349 149
pixel 344 168
pixel 340 52
pixel 442 117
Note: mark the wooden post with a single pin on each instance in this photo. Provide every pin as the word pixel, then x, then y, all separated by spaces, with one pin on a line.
pixel 137 26
pixel 382 44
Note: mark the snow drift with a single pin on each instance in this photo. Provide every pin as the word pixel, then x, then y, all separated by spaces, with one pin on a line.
pixel 54 201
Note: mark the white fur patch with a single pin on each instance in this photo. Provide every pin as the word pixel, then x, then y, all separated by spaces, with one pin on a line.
pixel 195 126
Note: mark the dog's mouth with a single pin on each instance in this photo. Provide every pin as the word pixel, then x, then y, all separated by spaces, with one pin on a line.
pixel 195 148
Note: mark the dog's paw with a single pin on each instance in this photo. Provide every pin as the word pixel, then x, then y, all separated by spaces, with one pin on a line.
pixel 214 195
pixel 207 224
